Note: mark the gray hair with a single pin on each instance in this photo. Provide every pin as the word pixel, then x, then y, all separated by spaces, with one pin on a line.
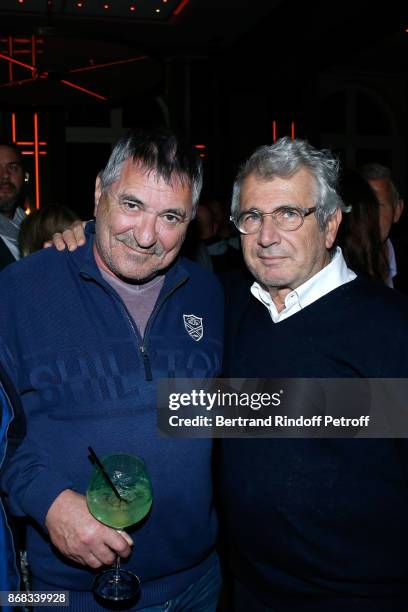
pixel 375 171
pixel 286 157
pixel 160 151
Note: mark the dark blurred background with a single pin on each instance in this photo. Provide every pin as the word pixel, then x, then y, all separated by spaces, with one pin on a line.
pixel 230 75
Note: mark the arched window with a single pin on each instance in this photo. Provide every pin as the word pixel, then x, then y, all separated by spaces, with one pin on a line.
pixel 356 123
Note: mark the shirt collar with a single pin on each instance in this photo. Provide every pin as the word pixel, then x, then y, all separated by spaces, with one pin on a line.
pixel 392 262
pixel 335 274
pixel 9 228
pixel 19 215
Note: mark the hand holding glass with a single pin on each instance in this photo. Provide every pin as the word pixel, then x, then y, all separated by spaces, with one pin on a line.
pixel 120 506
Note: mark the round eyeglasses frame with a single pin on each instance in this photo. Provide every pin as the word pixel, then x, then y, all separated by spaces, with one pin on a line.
pixel 276 215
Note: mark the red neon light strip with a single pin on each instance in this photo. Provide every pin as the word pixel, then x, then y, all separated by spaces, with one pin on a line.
pixel 10 50
pixel 21 40
pixel 87 91
pixel 14 61
pixel 33 51
pixel 32 152
pixel 180 7
pixel 13 127
pixel 274 131
pixel 26 52
pixel 26 143
pixel 36 163
pixel 292 129
pixel 97 66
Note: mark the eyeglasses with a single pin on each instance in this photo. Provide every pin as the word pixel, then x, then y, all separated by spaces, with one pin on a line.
pixel 286 218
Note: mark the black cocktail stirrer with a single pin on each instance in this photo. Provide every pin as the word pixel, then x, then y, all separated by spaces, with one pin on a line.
pixel 99 463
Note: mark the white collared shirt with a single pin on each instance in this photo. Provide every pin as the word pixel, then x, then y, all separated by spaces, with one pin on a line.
pixel 333 275
pixel 392 262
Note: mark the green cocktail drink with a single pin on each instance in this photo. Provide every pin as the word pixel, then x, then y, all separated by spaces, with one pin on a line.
pixel 119 513
pixel 128 474
pixel 119 495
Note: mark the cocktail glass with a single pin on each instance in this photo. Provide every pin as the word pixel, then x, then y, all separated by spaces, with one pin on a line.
pixel 127 506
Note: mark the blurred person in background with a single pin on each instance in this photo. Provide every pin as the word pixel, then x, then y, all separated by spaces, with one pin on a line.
pixel 39 226
pixel 220 238
pixel 359 233
pixel 12 183
pixel 391 207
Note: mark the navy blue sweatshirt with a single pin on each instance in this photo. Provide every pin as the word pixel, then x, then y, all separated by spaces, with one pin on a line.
pixel 86 377
pixel 315 522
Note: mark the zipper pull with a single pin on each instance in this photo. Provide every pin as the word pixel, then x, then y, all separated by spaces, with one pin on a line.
pixel 146 363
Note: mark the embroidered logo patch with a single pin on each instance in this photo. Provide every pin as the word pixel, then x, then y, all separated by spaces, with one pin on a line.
pixel 194 326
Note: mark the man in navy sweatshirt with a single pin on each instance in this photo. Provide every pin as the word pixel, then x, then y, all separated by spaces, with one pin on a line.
pixel 315 525
pixel 90 332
